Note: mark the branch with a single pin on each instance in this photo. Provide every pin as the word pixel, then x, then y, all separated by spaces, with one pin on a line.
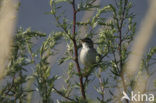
pixel 120 26
pixel 101 84
pixel 58 22
pixel 76 52
pixel 60 93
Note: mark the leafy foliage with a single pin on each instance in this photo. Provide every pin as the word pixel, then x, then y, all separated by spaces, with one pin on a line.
pixel 29 70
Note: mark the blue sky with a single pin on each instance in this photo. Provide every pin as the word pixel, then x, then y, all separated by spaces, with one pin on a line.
pixel 32 14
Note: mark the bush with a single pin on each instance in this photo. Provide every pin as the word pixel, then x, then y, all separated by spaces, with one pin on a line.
pixel 29 71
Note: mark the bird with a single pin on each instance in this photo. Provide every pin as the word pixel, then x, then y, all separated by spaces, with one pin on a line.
pixel 88 54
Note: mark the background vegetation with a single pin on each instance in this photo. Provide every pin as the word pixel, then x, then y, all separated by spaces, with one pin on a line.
pixel 29 71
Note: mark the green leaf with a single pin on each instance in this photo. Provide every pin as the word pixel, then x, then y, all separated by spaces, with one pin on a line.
pixel 47 72
pixel 113 9
pixel 59 1
pixel 51 3
pixel 63 59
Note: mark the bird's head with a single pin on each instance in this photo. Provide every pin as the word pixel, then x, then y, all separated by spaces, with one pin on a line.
pixel 87 43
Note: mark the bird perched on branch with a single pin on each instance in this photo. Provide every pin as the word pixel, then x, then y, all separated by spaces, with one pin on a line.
pixel 88 54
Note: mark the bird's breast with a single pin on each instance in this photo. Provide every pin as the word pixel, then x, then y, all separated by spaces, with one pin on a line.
pixel 88 56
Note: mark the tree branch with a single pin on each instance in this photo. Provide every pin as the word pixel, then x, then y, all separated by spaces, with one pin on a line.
pixel 76 52
pixel 60 93
pixel 120 26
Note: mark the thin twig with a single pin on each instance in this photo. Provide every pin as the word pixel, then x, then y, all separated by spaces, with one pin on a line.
pixel 58 22
pixel 12 85
pixel 60 93
pixel 101 85
pixel 120 25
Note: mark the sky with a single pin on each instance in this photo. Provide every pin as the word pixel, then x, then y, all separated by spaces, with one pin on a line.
pixel 32 13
